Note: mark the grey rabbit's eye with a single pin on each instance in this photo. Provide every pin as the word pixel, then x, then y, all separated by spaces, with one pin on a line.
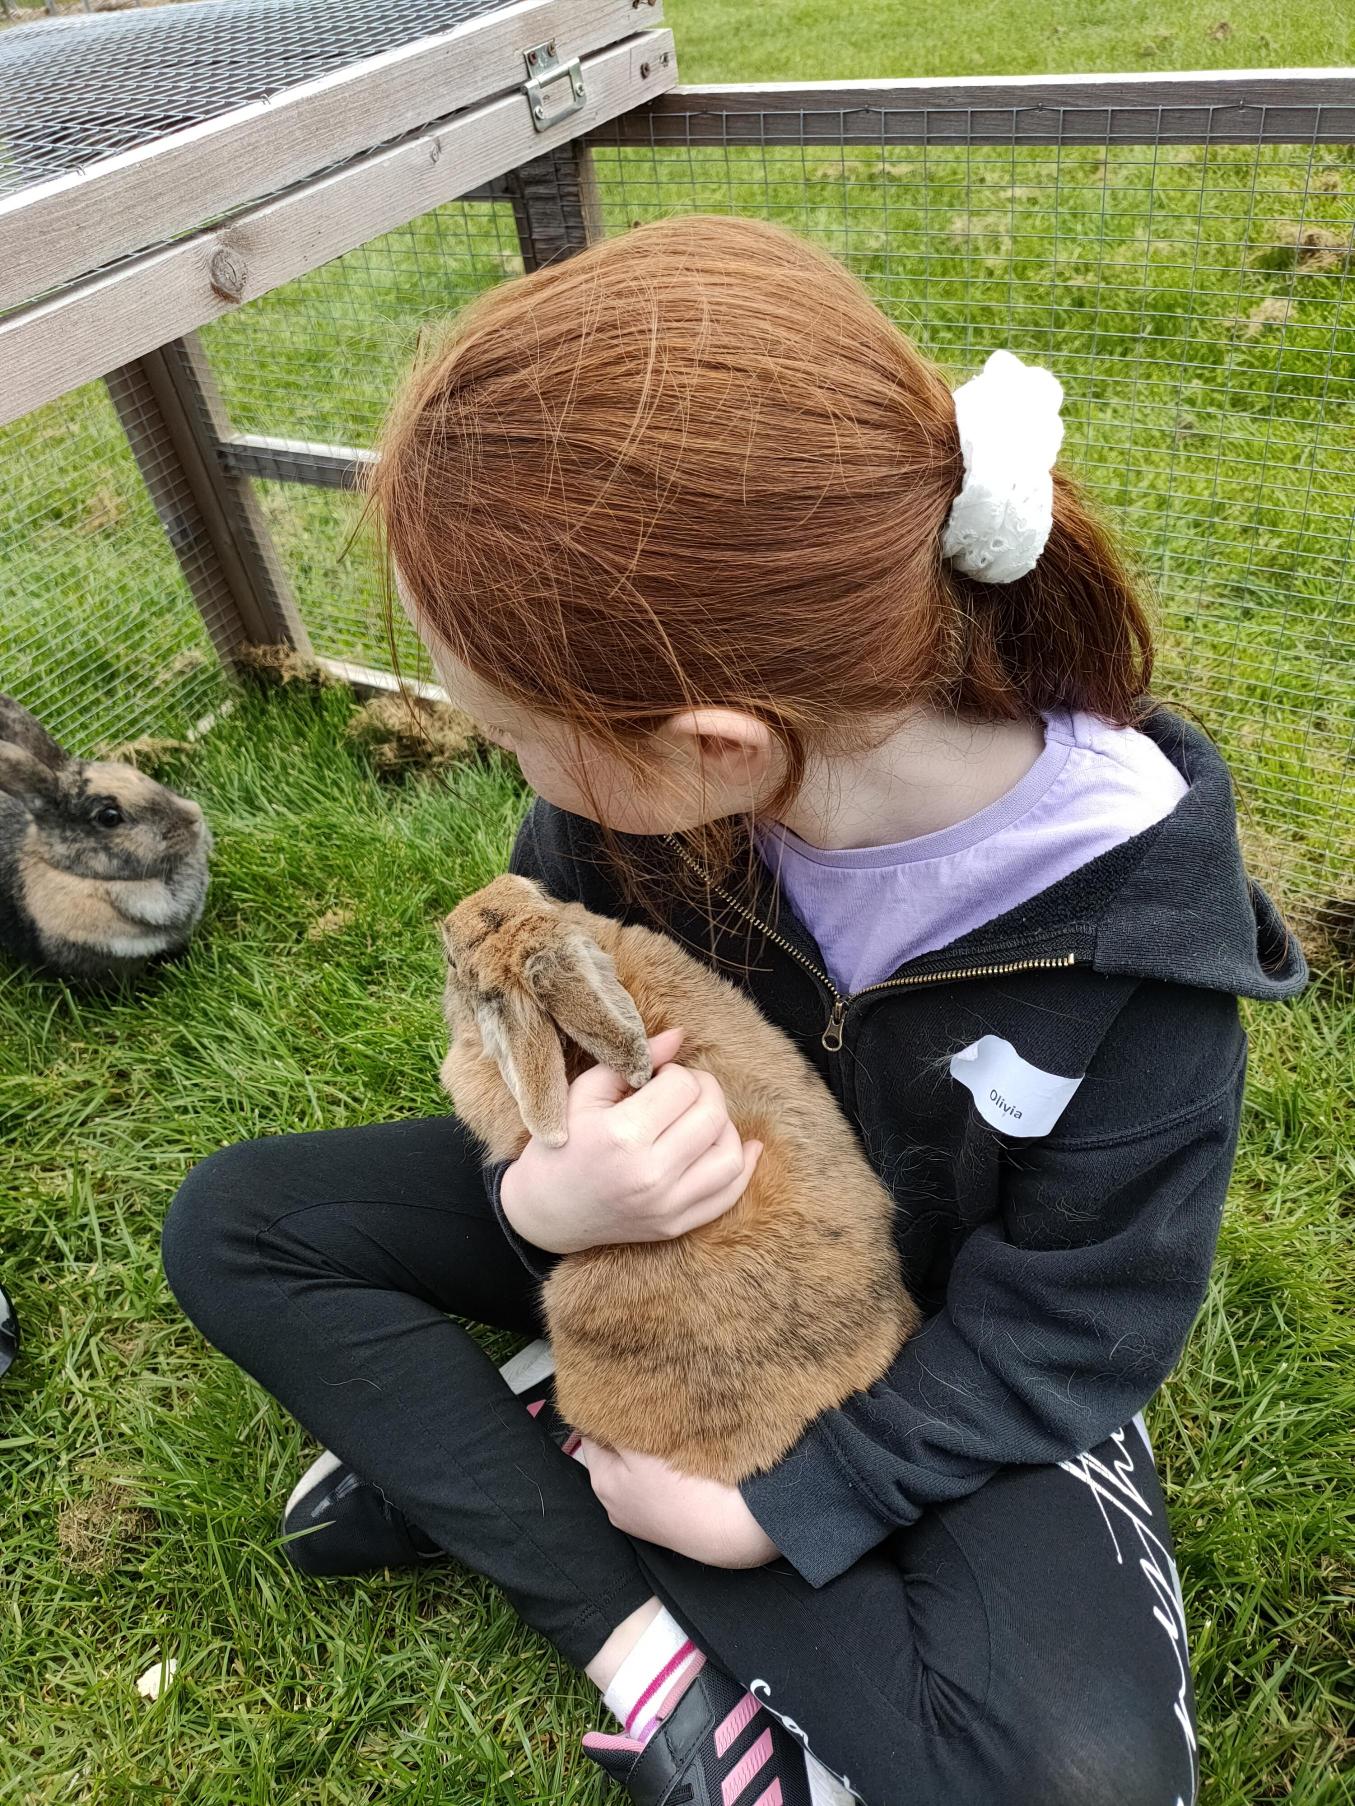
pixel 108 815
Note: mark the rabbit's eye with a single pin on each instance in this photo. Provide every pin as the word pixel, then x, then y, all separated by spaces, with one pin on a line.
pixel 108 816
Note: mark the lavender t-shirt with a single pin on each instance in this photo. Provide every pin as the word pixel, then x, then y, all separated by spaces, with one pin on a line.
pixel 872 908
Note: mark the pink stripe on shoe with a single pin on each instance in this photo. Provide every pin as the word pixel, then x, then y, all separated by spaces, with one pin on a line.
pixel 663 1707
pixel 665 1673
pixel 607 1740
pixel 745 1768
pixel 746 1710
pixel 772 1797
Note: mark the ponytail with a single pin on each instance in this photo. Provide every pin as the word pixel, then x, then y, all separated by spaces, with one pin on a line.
pixel 1072 634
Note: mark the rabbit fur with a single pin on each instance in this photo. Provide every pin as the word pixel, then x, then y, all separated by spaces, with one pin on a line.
pixel 715 1350
pixel 101 868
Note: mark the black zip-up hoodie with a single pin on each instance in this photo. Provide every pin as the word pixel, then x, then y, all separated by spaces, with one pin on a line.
pixel 1053 1101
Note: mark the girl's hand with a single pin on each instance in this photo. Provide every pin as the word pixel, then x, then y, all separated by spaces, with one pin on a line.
pixel 700 1518
pixel 639 1166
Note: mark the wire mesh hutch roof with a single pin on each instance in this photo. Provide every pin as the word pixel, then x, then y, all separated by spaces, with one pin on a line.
pixel 241 143
pixel 75 90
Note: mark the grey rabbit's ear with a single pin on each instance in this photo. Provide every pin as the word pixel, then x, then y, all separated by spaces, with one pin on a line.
pixel 27 778
pixel 23 729
pixel 577 983
pixel 519 1035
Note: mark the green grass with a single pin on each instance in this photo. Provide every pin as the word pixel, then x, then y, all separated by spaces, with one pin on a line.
pixel 1210 368
pixel 144 1473
pixel 808 40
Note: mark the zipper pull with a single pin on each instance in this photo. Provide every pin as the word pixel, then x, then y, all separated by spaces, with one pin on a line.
pixel 832 1035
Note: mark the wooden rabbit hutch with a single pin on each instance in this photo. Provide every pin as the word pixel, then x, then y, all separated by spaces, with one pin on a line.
pixel 224 225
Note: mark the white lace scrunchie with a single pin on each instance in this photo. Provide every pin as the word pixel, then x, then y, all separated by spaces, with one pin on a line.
pixel 1010 433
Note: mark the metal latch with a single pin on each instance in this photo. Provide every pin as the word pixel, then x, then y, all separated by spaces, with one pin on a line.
pixel 545 70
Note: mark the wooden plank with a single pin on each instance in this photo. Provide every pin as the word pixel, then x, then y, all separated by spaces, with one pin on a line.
pixel 75 336
pixel 370 680
pixel 55 232
pixel 295 460
pixel 1281 106
pixel 556 206
pixel 172 415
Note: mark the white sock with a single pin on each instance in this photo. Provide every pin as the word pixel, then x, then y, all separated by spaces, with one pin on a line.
pixel 649 1673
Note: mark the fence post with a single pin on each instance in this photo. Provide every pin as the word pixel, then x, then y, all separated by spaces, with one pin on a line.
pixel 555 204
pixel 174 420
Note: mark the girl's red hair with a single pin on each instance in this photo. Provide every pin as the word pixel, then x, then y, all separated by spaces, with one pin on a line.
pixel 696 464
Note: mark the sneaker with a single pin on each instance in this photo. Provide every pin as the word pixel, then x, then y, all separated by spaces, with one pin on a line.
pixel 9 1333
pixel 717 1745
pixel 336 1523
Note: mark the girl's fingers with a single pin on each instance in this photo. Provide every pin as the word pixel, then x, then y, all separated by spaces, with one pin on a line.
pixel 638 1120
pixel 665 1047
pixel 710 1173
pixel 698 1129
pixel 721 1191
pixel 600 1086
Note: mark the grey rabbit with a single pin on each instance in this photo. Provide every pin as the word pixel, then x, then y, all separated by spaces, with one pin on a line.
pixel 101 868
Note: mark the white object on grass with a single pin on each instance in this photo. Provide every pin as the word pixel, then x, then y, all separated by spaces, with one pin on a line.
pixel 157 1677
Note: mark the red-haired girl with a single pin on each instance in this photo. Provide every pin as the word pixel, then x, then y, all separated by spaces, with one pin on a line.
pixel 828 671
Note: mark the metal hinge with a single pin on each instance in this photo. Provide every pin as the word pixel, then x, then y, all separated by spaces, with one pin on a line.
pixel 545 70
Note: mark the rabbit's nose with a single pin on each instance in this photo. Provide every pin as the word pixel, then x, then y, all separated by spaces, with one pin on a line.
pixel 194 813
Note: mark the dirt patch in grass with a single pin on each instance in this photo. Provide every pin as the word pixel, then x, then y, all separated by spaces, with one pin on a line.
pixel 333 921
pixel 94 1531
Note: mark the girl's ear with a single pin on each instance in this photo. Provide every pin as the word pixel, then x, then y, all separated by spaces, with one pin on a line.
pixel 730 748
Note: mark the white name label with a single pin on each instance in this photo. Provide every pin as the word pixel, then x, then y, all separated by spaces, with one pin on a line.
pixel 1009 1092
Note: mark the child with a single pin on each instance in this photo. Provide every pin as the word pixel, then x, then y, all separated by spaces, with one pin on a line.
pixel 814 664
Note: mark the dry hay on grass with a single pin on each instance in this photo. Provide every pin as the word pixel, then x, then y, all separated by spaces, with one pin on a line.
pixel 95 1530
pixel 1273 311
pixel 1309 249
pixel 333 921
pixel 1325 928
pixel 147 752
pixel 273 667
pixel 402 732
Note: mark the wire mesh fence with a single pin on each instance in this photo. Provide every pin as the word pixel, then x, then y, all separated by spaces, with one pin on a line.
pixel 99 634
pixel 319 361
pixel 1193 300
pixel 1191 297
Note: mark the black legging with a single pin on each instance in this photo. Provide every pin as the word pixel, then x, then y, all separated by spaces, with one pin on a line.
pixel 1023 1645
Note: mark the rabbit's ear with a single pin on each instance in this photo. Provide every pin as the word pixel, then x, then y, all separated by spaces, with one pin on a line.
pixel 26 778
pixel 23 729
pixel 519 1035
pixel 577 983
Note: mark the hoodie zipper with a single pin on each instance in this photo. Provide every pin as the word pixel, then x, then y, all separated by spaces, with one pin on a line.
pixel 831 1039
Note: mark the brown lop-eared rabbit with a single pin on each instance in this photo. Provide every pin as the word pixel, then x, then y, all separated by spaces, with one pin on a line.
pixel 714 1350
